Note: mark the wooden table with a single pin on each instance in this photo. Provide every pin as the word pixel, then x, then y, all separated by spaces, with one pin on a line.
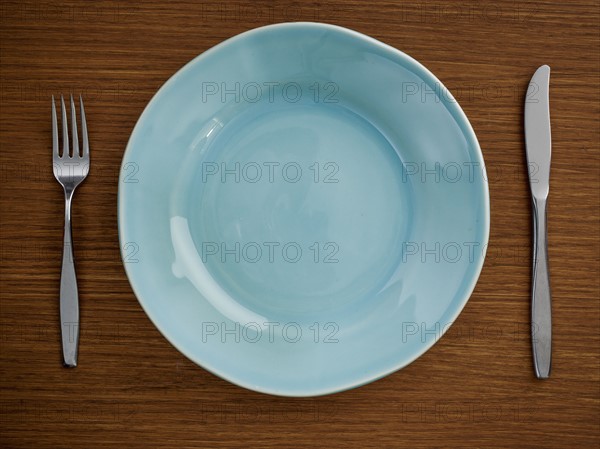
pixel 475 388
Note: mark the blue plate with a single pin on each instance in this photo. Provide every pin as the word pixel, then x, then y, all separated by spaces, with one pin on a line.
pixel 303 209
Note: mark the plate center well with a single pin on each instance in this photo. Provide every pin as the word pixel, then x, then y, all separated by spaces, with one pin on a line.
pixel 298 210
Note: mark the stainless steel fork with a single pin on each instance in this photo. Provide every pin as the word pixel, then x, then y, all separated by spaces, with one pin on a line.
pixel 70 169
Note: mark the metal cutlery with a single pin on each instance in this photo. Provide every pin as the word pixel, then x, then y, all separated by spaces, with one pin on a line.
pixel 70 169
pixel 538 145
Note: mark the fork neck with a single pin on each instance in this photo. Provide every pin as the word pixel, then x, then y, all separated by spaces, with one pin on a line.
pixel 69 190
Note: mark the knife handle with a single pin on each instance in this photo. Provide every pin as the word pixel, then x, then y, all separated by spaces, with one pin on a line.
pixel 541 303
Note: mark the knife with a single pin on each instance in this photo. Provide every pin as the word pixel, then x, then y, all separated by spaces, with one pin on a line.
pixel 538 147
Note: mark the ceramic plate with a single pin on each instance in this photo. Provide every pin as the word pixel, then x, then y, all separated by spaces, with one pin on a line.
pixel 303 209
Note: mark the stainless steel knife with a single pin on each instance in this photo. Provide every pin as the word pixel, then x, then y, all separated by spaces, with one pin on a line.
pixel 539 144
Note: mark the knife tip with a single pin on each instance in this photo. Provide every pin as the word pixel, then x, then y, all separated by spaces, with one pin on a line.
pixel 544 68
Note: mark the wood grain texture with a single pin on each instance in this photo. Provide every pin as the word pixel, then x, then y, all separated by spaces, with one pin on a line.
pixel 475 388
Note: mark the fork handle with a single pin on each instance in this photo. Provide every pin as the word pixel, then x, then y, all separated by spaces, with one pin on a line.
pixel 541 304
pixel 69 297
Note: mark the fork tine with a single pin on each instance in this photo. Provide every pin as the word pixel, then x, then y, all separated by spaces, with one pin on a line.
pixel 54 131
pixel 65 128
pixel 84 133
pixel 74 129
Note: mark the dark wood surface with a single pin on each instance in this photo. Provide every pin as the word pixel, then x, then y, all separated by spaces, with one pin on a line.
pixel 475 388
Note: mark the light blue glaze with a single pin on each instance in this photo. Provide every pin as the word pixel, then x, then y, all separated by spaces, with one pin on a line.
pixel 400 241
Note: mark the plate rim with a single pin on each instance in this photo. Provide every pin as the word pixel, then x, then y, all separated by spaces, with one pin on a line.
pixel 458 114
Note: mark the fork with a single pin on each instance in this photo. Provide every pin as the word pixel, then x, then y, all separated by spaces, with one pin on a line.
pixel 70 169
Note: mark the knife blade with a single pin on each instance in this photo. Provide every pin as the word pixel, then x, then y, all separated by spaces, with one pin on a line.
pixel 538 144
